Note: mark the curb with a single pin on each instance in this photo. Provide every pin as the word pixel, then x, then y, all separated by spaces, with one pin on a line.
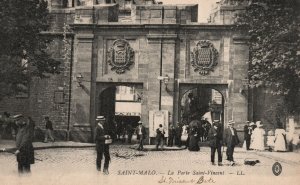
pixel 45 147
pixel 278 159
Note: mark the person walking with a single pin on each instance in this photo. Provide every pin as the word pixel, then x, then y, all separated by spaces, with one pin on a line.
pixel 231 140
pixel 215 141
pixel 172 133
pixel 185 136
pixel 141 135
pixel 24 138
pixel 257 137
pixel 178 131
pixel 193 144
pixel 280 139
pixel 207 126
pixel 49 130
pixel 102 147
pixel 129 132
pixel 247 134
pixel 160 136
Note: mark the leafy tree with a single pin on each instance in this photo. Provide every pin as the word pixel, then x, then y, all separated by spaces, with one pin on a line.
pixel 273 27
pixel 23 49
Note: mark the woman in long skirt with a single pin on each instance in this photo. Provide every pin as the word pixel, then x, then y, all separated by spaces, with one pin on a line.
pixel 257 137
pixel 280 139
pixel 194 140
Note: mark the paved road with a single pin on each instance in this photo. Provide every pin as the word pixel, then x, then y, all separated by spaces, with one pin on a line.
pixel 77 166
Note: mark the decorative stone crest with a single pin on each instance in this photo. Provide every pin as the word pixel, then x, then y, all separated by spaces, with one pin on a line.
pixel 204 57
pixel 120 56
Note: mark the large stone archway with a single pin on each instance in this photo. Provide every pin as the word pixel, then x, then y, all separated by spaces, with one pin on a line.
pixel 104 97
pixel 221 88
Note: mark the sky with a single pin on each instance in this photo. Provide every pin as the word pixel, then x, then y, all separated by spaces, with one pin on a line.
pixel 204 6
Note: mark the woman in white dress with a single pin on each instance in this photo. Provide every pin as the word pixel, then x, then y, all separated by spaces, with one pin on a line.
pixel 280 139
pixel 257 137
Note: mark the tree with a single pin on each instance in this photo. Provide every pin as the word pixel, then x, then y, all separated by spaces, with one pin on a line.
pixel 273 27
pixel 23 49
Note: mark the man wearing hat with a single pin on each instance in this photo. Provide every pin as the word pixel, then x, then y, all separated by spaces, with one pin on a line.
pixel 141 135
pixel 248 133
pixel 24 138
pixel 102 148
pixel 231 140
pixel 49 130
pixel 215 142
pixel 178 132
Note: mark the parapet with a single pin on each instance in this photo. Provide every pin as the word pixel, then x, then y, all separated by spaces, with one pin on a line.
pixel 165 14
pixel 97 14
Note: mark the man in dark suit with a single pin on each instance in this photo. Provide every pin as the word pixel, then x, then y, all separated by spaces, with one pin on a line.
pixel 25 150
pixel 49 130
pixel 172 134
pixel 231 140
pixel 247 134
pixel 160 136
pixel 178 132
pixel 215 141
pixel 129 132
pixel 102 148
pixel 141 135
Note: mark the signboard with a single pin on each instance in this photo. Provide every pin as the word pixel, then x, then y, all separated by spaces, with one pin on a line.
pixel 156 118
pixel 128 108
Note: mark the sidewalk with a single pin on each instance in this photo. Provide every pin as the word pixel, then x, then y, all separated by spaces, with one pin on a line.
pixel 10 145
pixel 287 157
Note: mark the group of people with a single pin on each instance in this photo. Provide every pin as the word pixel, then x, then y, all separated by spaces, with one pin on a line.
pixel 255 137
pixel 24 137
pixel 122 131
pixel 216 140
pixel 9 127
pixel 22 128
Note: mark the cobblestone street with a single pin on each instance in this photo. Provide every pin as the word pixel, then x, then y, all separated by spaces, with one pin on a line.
pixel 128 166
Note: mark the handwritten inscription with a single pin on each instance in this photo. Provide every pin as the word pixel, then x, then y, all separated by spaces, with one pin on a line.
pixel 182 180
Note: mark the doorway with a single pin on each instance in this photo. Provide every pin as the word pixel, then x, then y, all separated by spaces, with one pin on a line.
pixel 121 104
pixel 200 106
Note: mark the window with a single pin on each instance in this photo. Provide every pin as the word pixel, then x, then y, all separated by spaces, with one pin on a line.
pixel 59 97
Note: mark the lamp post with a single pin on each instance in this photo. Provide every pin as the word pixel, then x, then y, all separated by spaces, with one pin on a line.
pixel 79 79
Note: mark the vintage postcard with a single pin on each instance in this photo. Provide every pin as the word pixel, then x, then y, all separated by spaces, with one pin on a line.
pixel 149 92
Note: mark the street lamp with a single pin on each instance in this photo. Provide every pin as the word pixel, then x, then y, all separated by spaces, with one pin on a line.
pixel 79 79
pixel 165 80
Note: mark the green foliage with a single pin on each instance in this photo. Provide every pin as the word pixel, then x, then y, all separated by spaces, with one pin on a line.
pixel 22 21
pixel 273 27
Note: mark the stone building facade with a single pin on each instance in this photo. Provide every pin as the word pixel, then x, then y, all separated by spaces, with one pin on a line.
pixel 161 50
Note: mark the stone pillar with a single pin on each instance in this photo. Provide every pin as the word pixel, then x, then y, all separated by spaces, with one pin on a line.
pixel 151 88
pixel 238 90
pixel 179 68
pixel 168 60
pixel 81 87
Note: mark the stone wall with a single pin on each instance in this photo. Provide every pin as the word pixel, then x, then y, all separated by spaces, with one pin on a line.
pixel 49 96
pixel 161 48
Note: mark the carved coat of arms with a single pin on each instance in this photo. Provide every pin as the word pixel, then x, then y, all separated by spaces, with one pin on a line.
pixel 120 56
pixel 204 57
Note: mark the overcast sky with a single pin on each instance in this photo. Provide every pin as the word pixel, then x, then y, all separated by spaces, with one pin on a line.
pixel 204 6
